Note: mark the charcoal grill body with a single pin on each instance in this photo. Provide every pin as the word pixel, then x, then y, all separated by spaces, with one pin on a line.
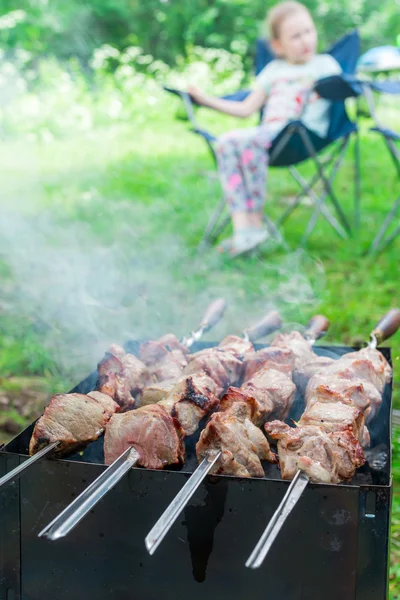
pixel 334 545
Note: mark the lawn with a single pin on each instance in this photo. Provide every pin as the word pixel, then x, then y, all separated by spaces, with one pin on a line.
pixel 98 241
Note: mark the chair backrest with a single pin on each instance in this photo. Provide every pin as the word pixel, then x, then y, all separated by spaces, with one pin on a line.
pixel 346 51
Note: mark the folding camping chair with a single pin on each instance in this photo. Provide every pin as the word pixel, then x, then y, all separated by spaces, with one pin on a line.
pixel 296 144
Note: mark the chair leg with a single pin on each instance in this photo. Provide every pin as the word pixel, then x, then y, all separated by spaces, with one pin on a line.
pixel 377 246
pixel 325 180
pixel 209 233
pixel 274 232
pixel 357 181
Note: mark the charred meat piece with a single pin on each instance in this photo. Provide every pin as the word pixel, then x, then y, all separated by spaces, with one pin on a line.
pixel 272 388
pixel 295 342
pixel 237 345
pixel 331 388
pixel 190 400
pixel 155 392
pixel 74 420
pixel 155 435
pixel 280 359
pixel 303 374
pixel 242 444
pixel 324 457
pixel 121 376
pixel 260 407
pixel 335 417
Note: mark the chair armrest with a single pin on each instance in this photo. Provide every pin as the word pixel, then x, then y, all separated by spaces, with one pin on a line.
pixel 338 87
pixel 188 102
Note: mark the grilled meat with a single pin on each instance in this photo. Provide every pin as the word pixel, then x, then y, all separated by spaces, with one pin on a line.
pixel 351 366
pixel 155 435
pixel 242 444
pixel 295 342
pixel 325 457
pixel 152 352
pixel 232 365
pixel 303 374
pixel 121 376
pixel 381 366
pixel 236 345
pixel 212 366
pixel 272 388
pixel 190 400
pixel 260 405
pixel 74 420
pixel 332 388
pixel 279 359
pixel 156 392
pixel 335 417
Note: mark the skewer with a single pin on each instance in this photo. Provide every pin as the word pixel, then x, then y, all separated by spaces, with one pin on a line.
pixel 212 316
pixel 75 512
pixel 386 327
pixel 161 528
pixel 315 328
pixel 18 471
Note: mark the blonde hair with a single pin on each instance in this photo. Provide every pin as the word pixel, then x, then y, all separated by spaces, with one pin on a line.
pixel 278 13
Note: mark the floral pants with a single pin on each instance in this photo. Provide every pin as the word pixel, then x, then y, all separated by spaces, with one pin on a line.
pixel 242 164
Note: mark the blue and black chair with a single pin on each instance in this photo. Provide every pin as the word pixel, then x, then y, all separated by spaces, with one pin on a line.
pixel 296 144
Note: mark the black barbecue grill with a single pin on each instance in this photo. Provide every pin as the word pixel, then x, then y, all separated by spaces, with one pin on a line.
pixel 334 545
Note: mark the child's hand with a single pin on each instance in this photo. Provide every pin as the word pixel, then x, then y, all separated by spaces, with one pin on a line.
pixel 197 94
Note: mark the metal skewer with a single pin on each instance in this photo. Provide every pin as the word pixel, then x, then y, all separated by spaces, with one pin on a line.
pixel 388 325
pixel 18 471
pixel 161 528
pixel 75 512
pixel 212 316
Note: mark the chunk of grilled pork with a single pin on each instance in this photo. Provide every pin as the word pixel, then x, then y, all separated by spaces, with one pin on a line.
pixel 122 376
pixel 332 388
pixel 326 457
pixel 74 420
pixel 155 435
pixel 335 417
pixel 191 399
pixel 242 444
pixel 279 359
pixel 295 342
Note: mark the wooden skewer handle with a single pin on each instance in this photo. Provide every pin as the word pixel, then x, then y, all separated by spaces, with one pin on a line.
pixel 213 314
pixel 387 326
pixel 271 322
pixel 317 326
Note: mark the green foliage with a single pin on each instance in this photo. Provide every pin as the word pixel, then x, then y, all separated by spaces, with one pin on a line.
pixel 168 29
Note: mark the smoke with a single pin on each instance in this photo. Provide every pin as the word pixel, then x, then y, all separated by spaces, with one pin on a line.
pixel 83 284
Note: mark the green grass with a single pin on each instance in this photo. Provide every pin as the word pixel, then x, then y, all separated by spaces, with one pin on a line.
pixel 138 199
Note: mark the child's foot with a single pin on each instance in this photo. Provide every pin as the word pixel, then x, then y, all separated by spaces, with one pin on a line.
pixel 244 241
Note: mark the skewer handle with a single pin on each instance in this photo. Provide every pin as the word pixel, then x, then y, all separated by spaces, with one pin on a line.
pixel 317 327
pixel 268 324
pixel 18 471
pixel 169 516
pixel 387 326
pixel 213 314
pixel 290 499
pixel 75 511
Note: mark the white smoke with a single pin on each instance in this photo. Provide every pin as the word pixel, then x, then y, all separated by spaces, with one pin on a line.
pixel 84 289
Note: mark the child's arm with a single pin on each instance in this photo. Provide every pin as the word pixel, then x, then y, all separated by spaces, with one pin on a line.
pixel 253 103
